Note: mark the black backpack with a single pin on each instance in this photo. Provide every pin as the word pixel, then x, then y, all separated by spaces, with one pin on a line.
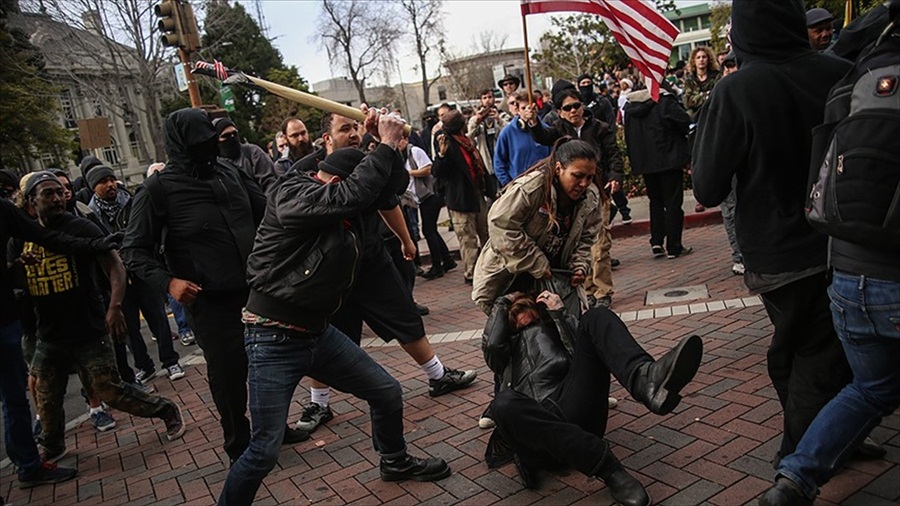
pixel 855 163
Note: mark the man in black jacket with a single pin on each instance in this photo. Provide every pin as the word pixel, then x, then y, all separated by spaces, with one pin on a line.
pixel 551 409
pixel 304 262
pixel 203 215
pixel 656 136
pixel 756 125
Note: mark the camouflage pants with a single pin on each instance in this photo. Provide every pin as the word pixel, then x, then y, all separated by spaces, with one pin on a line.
pixel 95 361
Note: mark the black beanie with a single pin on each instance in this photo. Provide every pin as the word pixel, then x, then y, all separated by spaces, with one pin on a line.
pixel 97 174
pixel 559 87
pixel 584 76
pixel 221 124
pixel 36 178
pixel 8 178
pixel 342 162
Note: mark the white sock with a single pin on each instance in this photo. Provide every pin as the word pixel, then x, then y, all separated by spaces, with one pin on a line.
pixel 37 417
pixel 97 409
pixel 319 396
pixel 434 369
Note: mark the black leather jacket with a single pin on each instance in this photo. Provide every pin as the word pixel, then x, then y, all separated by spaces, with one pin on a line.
pixel 534 360
pixel 308 245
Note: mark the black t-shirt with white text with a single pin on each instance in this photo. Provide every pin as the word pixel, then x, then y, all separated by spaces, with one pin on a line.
pixel 64 288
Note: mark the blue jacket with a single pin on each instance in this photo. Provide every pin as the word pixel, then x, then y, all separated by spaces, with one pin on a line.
pixel 516 151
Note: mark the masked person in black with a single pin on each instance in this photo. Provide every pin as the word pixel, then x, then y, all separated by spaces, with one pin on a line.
pixel 248 157
pixel 203 215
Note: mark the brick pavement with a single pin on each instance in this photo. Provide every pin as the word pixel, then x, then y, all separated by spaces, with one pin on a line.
pixel 714 449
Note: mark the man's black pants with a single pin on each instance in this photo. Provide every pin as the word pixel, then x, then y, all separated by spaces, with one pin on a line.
pixel 666 192
pixel 568 426
pixel 215 318
pixel 806 361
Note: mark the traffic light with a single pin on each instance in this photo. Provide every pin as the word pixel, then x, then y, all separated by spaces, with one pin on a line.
pixel 177 25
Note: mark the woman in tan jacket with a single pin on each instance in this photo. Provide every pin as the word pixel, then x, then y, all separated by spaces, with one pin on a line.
pixel 547 218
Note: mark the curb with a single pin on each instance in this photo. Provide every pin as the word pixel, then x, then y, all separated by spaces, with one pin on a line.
pixel 642 227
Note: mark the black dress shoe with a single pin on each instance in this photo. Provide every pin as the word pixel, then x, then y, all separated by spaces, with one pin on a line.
pixel 784 493
pixel 423 310
pixel 433 273
pixel 449 265
pixel 614 262
pixel 293 436
pixel 626 490
pixel 657 383
pixel 414 469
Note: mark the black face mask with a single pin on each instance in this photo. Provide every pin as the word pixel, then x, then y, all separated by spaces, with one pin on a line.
pixel 587 94
pixel 230 148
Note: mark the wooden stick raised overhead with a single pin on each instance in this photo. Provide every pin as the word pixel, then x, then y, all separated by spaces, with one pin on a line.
pixel 307 99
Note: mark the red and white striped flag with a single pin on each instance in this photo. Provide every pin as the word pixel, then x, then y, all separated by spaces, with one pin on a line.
pixel 644 33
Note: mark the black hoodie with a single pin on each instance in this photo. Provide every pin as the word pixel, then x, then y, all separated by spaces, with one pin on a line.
pixel 757 125
pixel 209 212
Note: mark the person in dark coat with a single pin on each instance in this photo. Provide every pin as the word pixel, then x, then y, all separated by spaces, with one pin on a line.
pixel 249 157
pixel 656 136
pixel 204 216
pixel 757 126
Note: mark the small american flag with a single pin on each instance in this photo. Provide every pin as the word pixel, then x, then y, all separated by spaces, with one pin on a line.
pixel 217 66
pixel 645 34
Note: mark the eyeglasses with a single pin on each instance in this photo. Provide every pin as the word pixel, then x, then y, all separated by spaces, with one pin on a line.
pixel 572 107
pixel 514 104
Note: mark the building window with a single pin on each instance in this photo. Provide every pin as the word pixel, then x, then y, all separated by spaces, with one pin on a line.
pixel 442 93
pixel 46 161
pixel 704 21
pixel 67 106
pixel 133 143
pixel 111 153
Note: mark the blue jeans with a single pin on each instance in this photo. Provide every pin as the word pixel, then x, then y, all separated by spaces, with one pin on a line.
pixel 178 314
pixel 17 434
pixel 278 360
pixel 866 316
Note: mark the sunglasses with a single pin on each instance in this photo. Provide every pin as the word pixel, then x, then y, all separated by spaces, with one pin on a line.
pixel 572 107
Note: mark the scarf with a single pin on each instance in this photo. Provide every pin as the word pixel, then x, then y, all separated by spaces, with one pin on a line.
pixel 476 164
pixel 109 209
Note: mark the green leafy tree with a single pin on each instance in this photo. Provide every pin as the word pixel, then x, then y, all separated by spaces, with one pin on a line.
pixel 719 17
pixel 576 44
pixel 837 7
pixel 28 101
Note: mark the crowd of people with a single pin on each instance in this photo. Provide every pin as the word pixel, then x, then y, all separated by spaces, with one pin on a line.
pixel 272 261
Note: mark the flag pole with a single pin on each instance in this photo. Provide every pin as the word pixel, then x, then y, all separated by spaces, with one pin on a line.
pixel 527 62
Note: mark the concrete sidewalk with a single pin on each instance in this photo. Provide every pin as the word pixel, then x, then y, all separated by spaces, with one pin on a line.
pixel 716 447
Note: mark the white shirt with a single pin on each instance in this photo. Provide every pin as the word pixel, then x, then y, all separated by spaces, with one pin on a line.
pixel 421 158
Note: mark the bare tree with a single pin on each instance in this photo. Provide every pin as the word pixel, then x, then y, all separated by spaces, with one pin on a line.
pixel 359 37
pixel 113 54
pixel 488 41
pixel 427 32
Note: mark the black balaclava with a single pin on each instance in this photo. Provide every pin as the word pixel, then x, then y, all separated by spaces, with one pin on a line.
pixel 191 143
pixel 229 148
pixel 586 92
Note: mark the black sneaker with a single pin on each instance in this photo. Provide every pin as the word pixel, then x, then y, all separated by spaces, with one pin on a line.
pixel 414 469
pixel 449 265
pixel 47 474
pixel 294 436
pixel 433 273
pixel 658 251
pixel 174 423
pixel 423 310
pixel 450 381
pixel 685 250
pixel 313 416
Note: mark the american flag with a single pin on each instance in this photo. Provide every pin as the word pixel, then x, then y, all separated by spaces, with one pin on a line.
pixel 645 34
pixel 217 66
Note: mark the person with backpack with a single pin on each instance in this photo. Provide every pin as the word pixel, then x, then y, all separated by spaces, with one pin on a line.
pixel 862 117
pixel 111 204
pixel 756 125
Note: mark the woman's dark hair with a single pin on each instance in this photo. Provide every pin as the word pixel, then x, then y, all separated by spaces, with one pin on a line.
pixel 565 151
pixel 561 97
pixel 454 122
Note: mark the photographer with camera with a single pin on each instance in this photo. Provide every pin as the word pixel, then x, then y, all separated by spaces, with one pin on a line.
pixel 483 128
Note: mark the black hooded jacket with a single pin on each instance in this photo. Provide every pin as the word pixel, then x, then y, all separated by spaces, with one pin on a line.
pixel 206 219
pixel 756 124
pixel 656 133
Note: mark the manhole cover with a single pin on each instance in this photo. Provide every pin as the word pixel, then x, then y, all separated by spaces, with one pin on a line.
pixel 676 294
